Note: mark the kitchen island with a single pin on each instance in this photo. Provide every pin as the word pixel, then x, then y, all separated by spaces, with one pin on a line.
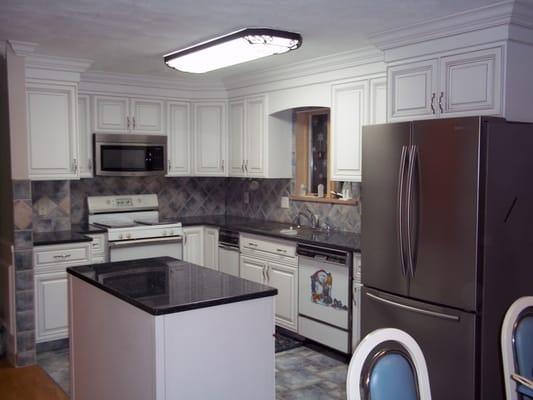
pixel 162 328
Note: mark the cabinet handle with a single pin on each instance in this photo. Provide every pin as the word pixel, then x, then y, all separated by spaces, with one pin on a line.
pixel 169 166
pixel 440 102
pixel 242 166
pixel 133 122
pixel 222 164
pixel 61 256
pixel 246 165
pixel 90 162
pixel 268 273
pixel 128 122
pixel 252 244
pixel 184 239
pixel 281 250
pixel 75 165
pixel 264 274
pixel 354 295
pixel 432 103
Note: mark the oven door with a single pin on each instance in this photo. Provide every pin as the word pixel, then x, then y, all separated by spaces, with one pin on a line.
pixel 324 291
pixel 146 248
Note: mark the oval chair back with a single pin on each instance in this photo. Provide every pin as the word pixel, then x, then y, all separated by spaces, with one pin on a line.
pixel 388 364
pixel 517 348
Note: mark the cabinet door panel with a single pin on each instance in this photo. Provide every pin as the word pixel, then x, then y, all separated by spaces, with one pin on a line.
pixel 179 138
pixel 255 136
pixel 285 279
pixel 471 82
pixel 52 143
pixel 378 101
pixel 111 114
pixel 236 138
pixel 85 137
pixel 209 136
pixel 211 248
pixel 147 116
pixel 51 306
pixel 193 245
pixel 349 104
pixel 412 91
pixel 252 269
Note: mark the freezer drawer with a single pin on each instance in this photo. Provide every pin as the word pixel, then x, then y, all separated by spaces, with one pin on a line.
pixel 446 336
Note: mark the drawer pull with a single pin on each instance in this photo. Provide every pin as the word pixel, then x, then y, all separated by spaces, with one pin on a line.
pixel 252 244
pixel 281 250
pixel 61 256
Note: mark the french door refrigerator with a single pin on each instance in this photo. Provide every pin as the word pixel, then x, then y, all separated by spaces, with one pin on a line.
pixel 447 241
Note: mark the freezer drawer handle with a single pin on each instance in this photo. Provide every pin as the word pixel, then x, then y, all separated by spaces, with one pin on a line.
pixel 414 309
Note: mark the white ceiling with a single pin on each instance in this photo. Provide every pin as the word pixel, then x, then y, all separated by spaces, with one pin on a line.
pixel 131 36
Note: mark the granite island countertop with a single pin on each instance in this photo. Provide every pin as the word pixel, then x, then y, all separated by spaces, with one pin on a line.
pixel 165 285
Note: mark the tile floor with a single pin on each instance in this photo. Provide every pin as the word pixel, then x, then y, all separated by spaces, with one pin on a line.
pixel 301 373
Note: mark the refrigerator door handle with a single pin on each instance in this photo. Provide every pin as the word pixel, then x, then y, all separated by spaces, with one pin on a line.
pixel 414 309
pixel 413 155
pixel 399 204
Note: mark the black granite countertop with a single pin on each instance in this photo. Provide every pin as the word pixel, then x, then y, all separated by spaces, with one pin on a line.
pixel 164 285
pixel 59 237
pixel 336 239
pixel 87 229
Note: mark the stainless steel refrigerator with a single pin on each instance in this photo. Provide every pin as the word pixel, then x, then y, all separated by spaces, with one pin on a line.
pixel 447 241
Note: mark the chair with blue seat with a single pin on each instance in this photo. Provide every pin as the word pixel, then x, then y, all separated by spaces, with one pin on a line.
pixel 388 364
pixel 517 349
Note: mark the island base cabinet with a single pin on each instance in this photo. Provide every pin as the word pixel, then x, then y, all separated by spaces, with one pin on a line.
pixel 121 352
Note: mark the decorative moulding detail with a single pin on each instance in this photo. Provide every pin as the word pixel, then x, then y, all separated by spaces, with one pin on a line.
pixel 505 13
pixel 76 65
pixel 22 48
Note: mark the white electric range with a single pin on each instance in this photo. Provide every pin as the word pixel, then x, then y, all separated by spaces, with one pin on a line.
pixel 134 227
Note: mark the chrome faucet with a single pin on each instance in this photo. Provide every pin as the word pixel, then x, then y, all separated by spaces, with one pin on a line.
pixel 313 219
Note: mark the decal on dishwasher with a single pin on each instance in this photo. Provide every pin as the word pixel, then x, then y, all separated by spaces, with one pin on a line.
pixel 321 290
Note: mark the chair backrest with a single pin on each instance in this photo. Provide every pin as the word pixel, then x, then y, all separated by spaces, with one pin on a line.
pixel 517 344
pixel 388 364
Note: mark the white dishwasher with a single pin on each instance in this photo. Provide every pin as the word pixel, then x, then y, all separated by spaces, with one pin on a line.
pixel 228 251
pixel 325 296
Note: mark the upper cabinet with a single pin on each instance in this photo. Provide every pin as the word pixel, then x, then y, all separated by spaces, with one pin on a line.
pixel 179 138
pixel 53 142
pixel 128 115
pixel 85 136
pixel 209 132
pixel 454 85
pixel 348 115
pixel 259 144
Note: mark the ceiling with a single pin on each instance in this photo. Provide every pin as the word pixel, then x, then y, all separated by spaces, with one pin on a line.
pixel 131 36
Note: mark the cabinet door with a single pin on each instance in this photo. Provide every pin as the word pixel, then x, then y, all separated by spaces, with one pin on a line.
pixel 255 131
pixel 252 269
pixel 348 115
pixel 85 137
pixel 51 319
pixel 412 91
pixel 209 139
pixel 378 101
pixel 146 116
pixel 211 248
pixel 471 83
pixel 193 245
pixel 111 114
pixel 52 131
pixel 179 139
pixel 236 138
pixel 285 279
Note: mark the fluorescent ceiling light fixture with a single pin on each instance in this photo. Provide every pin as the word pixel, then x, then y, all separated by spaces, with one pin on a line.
pixel 235 48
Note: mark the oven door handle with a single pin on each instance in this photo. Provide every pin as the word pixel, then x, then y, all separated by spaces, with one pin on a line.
pixel 136 242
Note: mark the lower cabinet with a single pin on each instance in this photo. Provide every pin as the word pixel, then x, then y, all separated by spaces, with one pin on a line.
pixel 200 246
pixel 51 306
pixel 285 279
pixel 211 248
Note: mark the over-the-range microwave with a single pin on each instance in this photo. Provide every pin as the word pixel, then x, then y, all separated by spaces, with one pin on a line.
pixel 129 155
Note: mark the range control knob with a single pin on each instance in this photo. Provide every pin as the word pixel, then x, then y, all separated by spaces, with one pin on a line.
pixel 129 236
pixel 120 237
pixel 165 233
pixel 171 233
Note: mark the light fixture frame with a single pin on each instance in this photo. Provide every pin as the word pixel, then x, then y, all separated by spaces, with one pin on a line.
pixel 242 33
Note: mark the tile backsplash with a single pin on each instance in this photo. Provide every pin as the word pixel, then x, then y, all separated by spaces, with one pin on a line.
pixel 58 204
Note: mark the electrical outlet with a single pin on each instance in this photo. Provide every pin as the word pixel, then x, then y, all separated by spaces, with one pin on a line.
pixel 246 198
pixel 284 202
pixel 42 210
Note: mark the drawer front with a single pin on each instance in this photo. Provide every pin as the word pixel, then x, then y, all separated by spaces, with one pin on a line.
pixel 273 246
pixel 58 255
pixel 98 244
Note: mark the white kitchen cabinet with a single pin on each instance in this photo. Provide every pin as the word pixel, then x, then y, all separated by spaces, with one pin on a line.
pixel 456 84
pixel 412 90
pixel 209 138
pixel 285 279
pixel 193 245
pixel 52 122
pixel 128 115
pixel 255 143
pixel 348 115
pixel 85 136
pixel 50 282
pixel 253 269
pixel 98 247
pixel 179 138
pixel 211 247
pixel 378 101
pixel 236 131
pixel 51 306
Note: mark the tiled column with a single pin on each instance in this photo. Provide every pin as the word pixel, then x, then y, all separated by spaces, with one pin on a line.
pixel 24 286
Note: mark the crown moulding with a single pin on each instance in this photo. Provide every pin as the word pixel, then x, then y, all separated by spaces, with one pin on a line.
pixel 505 13
pixel 22 48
